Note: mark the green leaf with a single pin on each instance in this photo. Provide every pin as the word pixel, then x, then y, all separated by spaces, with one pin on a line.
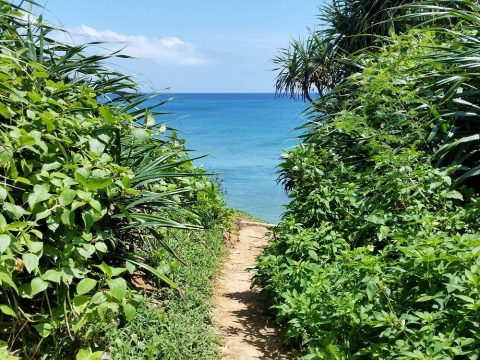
pixel 43 214
pixel 76 204
pixel 6 278
pixel 149 119
pixel 14 211
pixel 82 176
pixel 371 290
pixel 35 246
pixel 162 129
pixel 157 273
pixel 383 233
pixel 85 285
pixel 51 166
pixel 106 269
pixel 455 195
pixel 102 310
pixel 130 267
pixel 118 288
pixel 313 255
pixel 472 172
pixel 31 114
pixel 466 298
pixel 6 158
pixel 68 217
pixel 97 147
pixel 86 354
pixel 3 193
pixel 88 219
pixel 30 261
pixel 98 298
pixel 66 197
pixel 107 113
pixel 117 271
pixel 17 226
pixel 101 246
pixel 40 74
pixel 96 183
pixel 86 251
pixel 40 194
pixel 37 285
pixel 4 242
pixel 130 311
pixel 375 219
pixel 34 97
pixel 426 298
pixel 5 111
pixel 4 353
pixel 80 302
pixel 7 310
pixel 95 204
pixel 52 275
pixel 44 329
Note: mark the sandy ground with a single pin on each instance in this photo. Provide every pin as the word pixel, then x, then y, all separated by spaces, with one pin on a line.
pixel 245 329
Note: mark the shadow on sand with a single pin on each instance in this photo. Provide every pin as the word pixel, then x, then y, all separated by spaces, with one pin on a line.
pixel 257 326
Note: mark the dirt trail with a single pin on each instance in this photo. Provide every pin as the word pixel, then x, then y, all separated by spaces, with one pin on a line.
pixel 239 311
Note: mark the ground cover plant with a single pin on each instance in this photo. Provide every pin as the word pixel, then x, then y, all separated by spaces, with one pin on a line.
pixel 88 180
pixel 377 255
pixel 175 327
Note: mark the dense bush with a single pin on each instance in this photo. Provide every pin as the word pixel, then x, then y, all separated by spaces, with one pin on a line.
pixel 85 183
pixel 377 255
pixel 410 300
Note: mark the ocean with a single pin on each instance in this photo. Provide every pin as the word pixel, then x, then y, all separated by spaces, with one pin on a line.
pixel 244 135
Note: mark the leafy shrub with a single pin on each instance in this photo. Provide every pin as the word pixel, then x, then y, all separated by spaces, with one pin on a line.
pixel 410 300
pixel 378 252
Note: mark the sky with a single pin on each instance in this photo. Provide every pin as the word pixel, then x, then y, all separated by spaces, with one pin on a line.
pixel 190 45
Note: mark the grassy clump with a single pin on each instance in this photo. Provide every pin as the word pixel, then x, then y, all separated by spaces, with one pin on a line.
pixel 240 214
pixel 177 327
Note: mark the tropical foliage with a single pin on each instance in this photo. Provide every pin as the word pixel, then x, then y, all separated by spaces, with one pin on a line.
pixel 87 179
pixel 377 255
pixel 319 63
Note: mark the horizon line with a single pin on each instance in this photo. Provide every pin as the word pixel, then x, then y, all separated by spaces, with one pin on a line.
pixel 222 92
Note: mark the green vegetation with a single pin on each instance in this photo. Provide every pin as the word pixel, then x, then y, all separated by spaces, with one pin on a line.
pixel 89 183
pixel 175 327
pixel 240 214
pixel 378 254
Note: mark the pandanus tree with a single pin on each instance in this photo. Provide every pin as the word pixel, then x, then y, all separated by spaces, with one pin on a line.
pixel 318 63
pixel 454 83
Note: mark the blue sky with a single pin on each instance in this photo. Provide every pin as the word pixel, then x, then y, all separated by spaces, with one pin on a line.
pixel 191 45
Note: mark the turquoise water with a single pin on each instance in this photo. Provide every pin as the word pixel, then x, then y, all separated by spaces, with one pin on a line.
pixel 244 135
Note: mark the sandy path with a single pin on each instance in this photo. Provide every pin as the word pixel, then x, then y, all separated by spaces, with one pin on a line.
pixel 240 311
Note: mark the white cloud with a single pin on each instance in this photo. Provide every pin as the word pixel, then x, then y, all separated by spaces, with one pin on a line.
pixel 165 50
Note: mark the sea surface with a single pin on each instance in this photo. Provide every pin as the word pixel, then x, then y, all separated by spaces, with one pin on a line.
pixel 244 135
